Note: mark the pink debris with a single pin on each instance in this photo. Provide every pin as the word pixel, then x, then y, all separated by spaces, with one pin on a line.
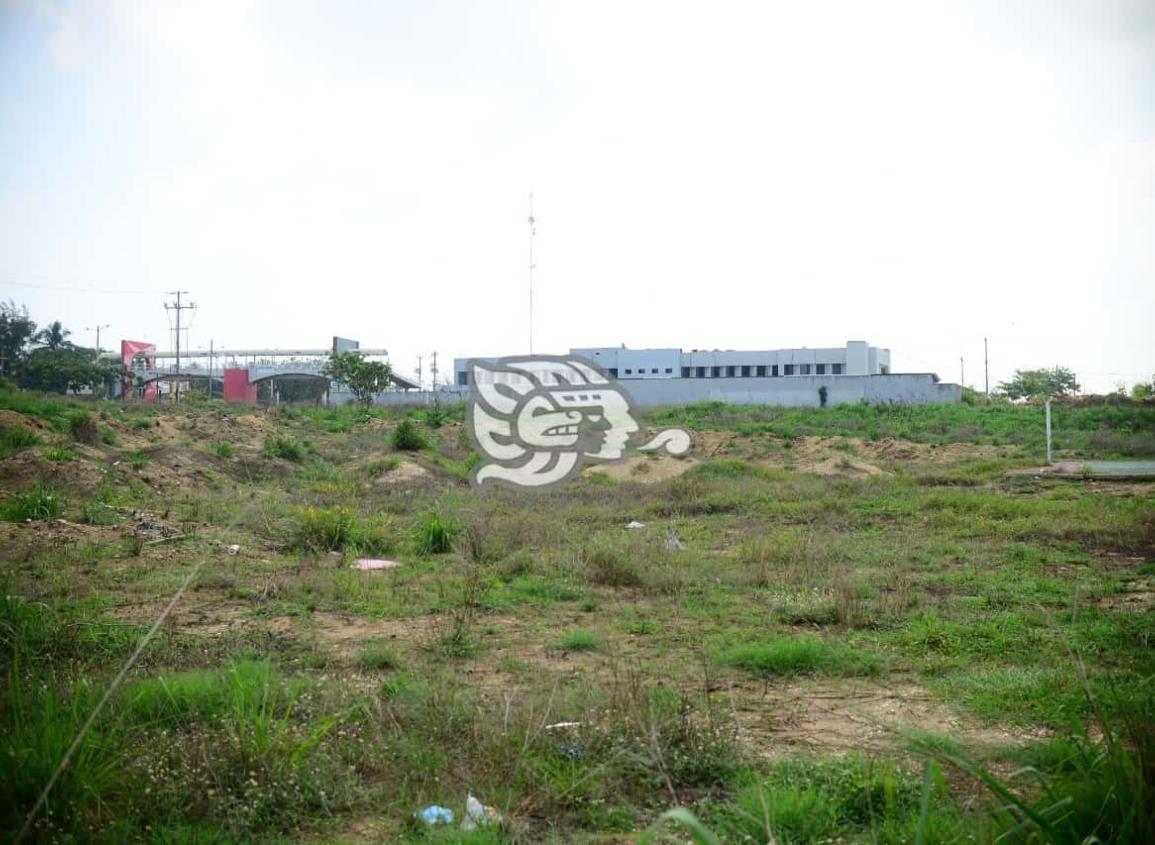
pixel 367 563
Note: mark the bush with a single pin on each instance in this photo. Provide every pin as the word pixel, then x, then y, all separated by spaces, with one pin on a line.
pixel 435 535
pixel 285 447
pixel 324 529
pixel 407 438
pixel 609 568
pixel 83 428
pixel 41 502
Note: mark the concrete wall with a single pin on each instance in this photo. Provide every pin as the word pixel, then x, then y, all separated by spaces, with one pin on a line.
pixel 792 391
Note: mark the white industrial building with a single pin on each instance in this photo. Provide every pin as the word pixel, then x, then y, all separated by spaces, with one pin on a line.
pixel 857 358
pixel 855 372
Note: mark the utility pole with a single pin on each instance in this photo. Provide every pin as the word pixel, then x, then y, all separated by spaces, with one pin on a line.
pixel 962 372
pixel 210 391
pixel 986 370
pixel 178 308
pixel 532 234
pixel 420 384
pixel 433 369
pixel 97 330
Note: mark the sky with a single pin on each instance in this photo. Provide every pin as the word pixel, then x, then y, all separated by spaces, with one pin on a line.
pixel 760 175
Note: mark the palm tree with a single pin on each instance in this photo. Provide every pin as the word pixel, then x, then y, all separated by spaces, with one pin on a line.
pixel 54 335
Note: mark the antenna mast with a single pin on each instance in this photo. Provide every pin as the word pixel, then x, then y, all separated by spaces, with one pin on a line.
pixel 532 234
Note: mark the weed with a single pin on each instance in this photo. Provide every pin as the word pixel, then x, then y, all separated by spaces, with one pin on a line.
pixel 609 567
pixel 138 460
pixel 83 428
pixel 579 641
pixel 380 466
pixel 222 449
pixel 14 438
pixel 41 502
pixel 60 454
pixel 799 656
pixel 286 448
pixel 407 438
pixel 436 534
pixel 378 656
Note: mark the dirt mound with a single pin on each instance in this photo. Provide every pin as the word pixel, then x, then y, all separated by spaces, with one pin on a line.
pixel 405 472
pixel 11 419
pixel 843 465
pixel 645 469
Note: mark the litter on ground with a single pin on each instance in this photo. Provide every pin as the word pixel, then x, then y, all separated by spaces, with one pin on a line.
pixel 371 563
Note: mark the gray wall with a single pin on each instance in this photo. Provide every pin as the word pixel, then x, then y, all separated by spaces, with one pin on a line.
pixel 790 391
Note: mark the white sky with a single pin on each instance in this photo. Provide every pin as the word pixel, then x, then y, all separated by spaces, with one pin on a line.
pixel 706 175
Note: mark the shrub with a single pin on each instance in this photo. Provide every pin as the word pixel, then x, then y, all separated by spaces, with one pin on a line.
pixel 13 438
pixel 435 535
pixel 83 428
pixel 407 438
pixel 41 502
pixel 285 447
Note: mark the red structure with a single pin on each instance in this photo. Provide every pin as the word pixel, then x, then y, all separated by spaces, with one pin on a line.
pixel 237 388
pixel 130 350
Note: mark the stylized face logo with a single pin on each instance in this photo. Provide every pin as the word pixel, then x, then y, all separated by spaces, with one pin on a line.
pixel 538 420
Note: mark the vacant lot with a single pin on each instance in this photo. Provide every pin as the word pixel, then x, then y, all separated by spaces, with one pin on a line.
pixel 868 633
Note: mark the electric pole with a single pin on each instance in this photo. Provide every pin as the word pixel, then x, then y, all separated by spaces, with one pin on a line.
pixel 97 330
pixel 433 369
pixel 420 384
pixel 178 308
pixel 532 234
pixel 962 372
pixel 986 370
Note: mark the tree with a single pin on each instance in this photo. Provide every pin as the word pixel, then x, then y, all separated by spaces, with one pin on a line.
pixel 16 331
pixel 70 368
pixel 365 379
pixel 54 336
pixel 1040 384
pixel 1143 391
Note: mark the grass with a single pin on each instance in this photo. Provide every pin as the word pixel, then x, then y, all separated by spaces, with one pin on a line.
pixel 582 677
pixel 284 447
pixel 407 438
pixel 14 439
pixel 799 656
pixel 40 502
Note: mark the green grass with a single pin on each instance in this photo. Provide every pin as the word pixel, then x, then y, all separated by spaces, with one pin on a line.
pixel 15 438
pixel 292 697
pixel 60 454
pixel 40 502
pixel 284 447
pixel 579 641
pixel 799 656
pixel 222 449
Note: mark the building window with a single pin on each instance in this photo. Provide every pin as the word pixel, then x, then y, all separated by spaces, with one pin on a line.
pixel 701 372
pixel 654 371
pixel 715 372
pixel 463 377
pixel 787 369
pixel 669 370
pixel 745 372
pixel 884 369
pixel 729 372
pixel 836 369
pixel 774 370
pixel 685 372
pixel 613 371
pixel 629 372
pixel 760 371
pixel 805 369
pixel 820 369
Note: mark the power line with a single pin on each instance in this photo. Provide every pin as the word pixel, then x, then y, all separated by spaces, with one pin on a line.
pixel 177 308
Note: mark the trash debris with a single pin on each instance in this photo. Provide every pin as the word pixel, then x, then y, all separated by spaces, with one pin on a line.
pixel 673 544
pixel 477 814
pixel 435 815
pixel 371 563
pixel 636 524
pixel 556 725
pixel 234 548
pixel 574 752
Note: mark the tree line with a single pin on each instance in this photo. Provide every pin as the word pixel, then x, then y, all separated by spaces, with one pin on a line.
pixel 43 358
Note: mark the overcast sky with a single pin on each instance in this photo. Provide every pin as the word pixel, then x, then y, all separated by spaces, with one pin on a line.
pixel 709 175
